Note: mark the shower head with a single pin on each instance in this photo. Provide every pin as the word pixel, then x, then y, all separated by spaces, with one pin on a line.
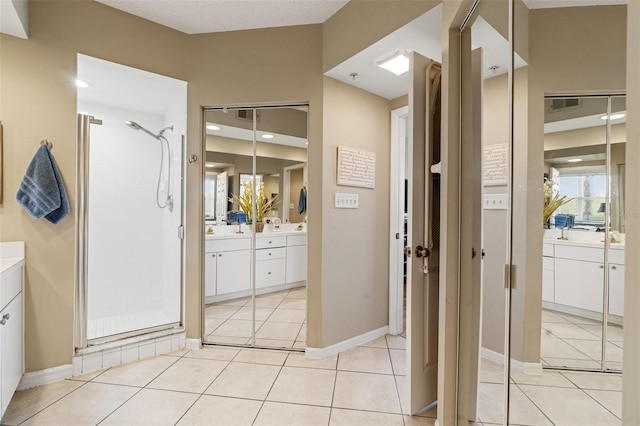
pixel 136 126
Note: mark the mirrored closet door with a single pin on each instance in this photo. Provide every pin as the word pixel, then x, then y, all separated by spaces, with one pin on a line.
pixel 255 245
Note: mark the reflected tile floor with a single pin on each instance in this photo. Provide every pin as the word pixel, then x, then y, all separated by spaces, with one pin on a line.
pixel 576 342
pixel 236 386
pixel 280 320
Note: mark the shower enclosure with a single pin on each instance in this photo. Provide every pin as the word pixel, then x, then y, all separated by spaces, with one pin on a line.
pixel 130 244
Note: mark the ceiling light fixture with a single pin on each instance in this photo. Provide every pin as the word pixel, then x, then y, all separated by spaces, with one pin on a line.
pixel 267 136
pixel 211 166
pixel 212 127
pixel 80 83
pixel 613 116
pixel 574 160
pixel 397 63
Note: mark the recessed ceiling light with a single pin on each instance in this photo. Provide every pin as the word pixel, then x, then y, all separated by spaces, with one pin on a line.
pixel 211 165
pixel 613 116
pixel 267 136
pixel 212 127
pixel 574 160
pixel 80 83
pixel 397 63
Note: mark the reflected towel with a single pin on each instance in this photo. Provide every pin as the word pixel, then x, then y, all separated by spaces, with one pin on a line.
pixel 302 200
pixel 41 191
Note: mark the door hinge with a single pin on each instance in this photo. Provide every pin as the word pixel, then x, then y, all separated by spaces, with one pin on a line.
pixel 181 232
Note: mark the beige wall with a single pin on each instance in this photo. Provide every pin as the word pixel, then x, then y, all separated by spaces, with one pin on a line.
pixel 355 244
pixel 584 137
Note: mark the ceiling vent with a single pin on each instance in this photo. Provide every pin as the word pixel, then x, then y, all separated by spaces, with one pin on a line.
pixel 563 104
pixel 246 114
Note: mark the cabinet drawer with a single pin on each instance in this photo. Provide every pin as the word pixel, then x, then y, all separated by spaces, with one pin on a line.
pixel 230 244
pixel 267 242
pixel 270 273
pixel 297 240
pixel 268 254
pixel 587 254
pixel 616 256
pixel 547 249
pixel 10 284
pixel 547 263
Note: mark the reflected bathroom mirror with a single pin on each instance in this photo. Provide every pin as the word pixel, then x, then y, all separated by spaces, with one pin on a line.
pixel 255 186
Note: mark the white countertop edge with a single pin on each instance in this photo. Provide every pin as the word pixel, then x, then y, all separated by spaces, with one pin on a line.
pixel 258 235
pixel 11 254
pixel 596 244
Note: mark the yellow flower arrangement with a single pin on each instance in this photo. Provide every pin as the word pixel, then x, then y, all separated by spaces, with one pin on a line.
pixel 552 200
pixel 263 203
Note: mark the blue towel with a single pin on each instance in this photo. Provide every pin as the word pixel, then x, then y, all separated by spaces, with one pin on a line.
pixel 41 191
pixel 302 200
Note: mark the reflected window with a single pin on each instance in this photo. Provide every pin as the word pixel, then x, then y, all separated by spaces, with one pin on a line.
pixel 588 192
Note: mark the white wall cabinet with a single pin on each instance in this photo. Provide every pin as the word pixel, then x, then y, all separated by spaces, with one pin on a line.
pixel 11 330
pixel 616 289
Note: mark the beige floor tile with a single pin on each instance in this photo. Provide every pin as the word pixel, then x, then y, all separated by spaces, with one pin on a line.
pixel 297 293
pixel 423 421
pixel 273 343
pixel 399 361
pixel 219 410
pixel 138 373
pixel 299 360
pixel 279 414
pixel 401 387
pixel 213 352
pixel 547 378
pixel 611 400
pixel 26 403
pixel 595 381
pixel 302 335
pixel 87 377
pixel 152 407
pixel 572 363
pixel 210 324
pixel 553 347
pixel 246 313
pixel 87 405
pixel 569 406
pixel 243 380
pixel 226 340
pixel 299 344
pixel 380 342
pixel 614 332
pixel 550 316
pixel 368 392
pixel 235 302
pixel 594 349
pixel 613 365
pixel 268 302
pixel 262 356
pixel 236 328
pixel 522 410
pixel 288 315
pixel 569 331
pixel 341 417
pixel 178 353
pixel 365 360
pixel 278 331
pixel 579 320
pixel 309 386
pixel 396 342
pixel 491 371
pixel 220 311
pixel 294 304
pixel 189 375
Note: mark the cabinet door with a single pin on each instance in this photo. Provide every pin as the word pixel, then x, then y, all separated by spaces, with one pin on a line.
pixel 233 271
pixel 269 273
pixel 210 274
pixel 11 335
pixel 616 290
pixel 579 284
pixel 296 264
pixel 547 286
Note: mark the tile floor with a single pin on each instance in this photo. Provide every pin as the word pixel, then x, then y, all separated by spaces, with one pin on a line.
pixel 231 386
pixel 280 320
pixel 571 341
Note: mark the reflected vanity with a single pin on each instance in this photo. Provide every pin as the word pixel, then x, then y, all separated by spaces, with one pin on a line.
pixel 255 249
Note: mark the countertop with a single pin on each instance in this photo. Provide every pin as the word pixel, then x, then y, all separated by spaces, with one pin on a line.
pixel 11 254
pixel 247 234
pixel 578 243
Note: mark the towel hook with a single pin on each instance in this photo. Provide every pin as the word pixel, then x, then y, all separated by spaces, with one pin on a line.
pixel 47 143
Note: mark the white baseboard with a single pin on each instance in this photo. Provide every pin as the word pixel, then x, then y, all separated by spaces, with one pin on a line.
pixel 319 353
pixel 194 344
pixel 46 376
pixel 533 368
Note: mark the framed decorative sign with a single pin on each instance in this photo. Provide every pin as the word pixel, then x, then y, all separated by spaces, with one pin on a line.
pixel 356 167
pixel 494 165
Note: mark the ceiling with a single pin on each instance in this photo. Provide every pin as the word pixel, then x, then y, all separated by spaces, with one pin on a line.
pixel 546 4
pixel 211 16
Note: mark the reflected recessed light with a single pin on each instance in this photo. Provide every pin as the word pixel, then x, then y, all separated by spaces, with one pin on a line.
pixel 80 83
pixel 267 136
pixel 212 127
pixel 306 143
pixel 397 63
pixel 613 116
pixel 574 160
pixel 211 166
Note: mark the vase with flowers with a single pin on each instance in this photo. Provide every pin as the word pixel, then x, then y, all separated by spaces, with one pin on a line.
pixel 264 204
pixel 552 200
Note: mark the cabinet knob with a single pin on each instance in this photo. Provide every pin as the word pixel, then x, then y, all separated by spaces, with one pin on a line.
pixel 220 255
pixel 269 254
pixel 601 266
pixel 269 273
pixel 613 267
pixel 6 317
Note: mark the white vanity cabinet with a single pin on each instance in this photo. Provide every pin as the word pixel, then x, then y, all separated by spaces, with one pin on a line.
pixel 616 289
pixel 579 284
pixel 11 325
pixel 227 263
pixel 548 280
pixel 296 258
pixel 270 261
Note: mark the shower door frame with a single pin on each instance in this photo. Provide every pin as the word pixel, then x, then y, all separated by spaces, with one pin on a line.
pixel 83 141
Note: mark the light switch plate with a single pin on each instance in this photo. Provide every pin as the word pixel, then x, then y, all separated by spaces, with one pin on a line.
pixel 346 201
pixel 495 201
